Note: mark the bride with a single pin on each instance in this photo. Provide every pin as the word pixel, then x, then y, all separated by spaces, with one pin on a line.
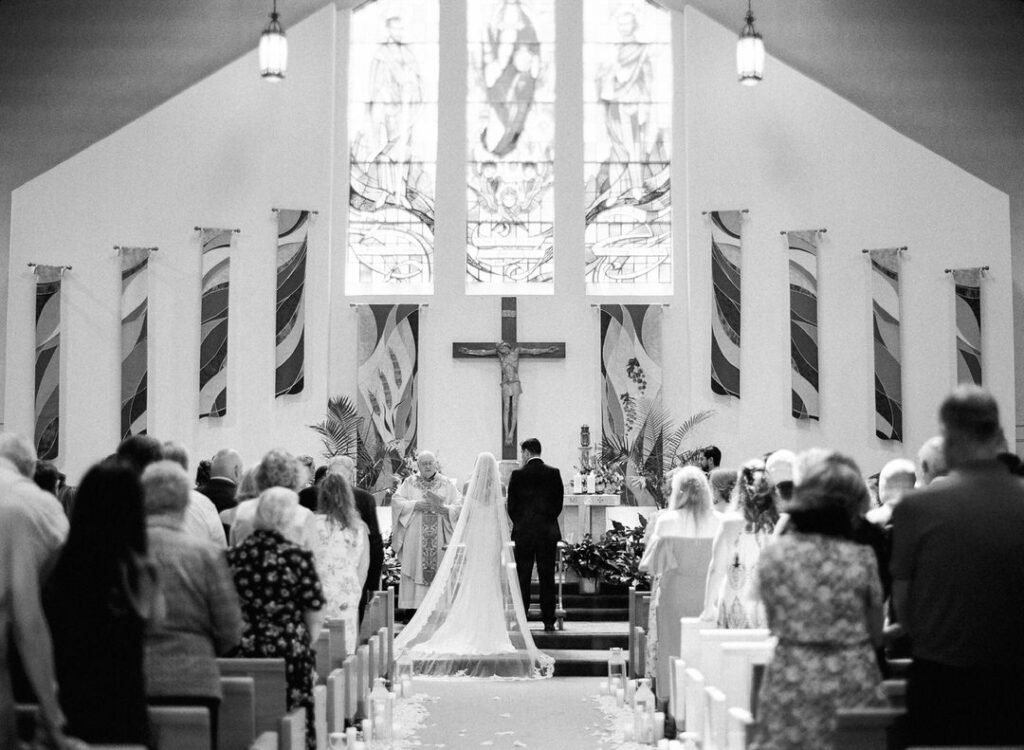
pixel 471 622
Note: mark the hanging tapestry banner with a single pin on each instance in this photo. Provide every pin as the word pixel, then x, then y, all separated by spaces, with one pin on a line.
pixel 631 377
pixel 885 305
pixel 134 340
pixel 725 322
pixel 968 324
pixel 388 356
pixel 292 235
pixel 47 403
pixel 213 346
pixel 803 322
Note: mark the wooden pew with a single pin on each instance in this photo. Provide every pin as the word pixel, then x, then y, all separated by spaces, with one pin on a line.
pixel 866 728
pixel 389 623
pixel 638 652
pixel 266 741
pixel 384 654
pixel 362 681
pixel 351 677
pixel 320 715
pixel 180 727
pixel 236 717
pixel 373 659
pixel 639 613
pixel 737 670
pixel 336 701
pixel 323 655
pixel 291 734
pixel 271 688
pixel 715 719
pixel 337 640
pixel 740 730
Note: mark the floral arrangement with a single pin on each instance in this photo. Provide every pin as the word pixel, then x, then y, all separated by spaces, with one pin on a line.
pixel 391 570
pixel 614 558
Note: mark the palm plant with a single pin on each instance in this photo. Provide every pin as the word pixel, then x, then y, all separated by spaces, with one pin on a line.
pixel 647 452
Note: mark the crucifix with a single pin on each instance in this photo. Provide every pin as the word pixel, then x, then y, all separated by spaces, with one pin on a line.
pixel 507 352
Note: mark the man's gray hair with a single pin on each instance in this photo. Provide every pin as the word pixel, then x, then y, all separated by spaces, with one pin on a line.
pixel 174 451
pixel 344 465
pixel 166 489
pixel 19 451
pixel 897 477
pixel 275 509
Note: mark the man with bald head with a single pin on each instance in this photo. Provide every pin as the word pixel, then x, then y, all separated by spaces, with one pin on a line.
pixel 931 461
pixel 225 470
pixel 424 508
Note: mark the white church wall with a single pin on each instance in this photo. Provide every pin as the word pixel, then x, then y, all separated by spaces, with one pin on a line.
pixel 228 149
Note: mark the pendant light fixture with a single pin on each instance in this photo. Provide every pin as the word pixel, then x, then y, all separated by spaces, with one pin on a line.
pixel 750 53
pixel 273 49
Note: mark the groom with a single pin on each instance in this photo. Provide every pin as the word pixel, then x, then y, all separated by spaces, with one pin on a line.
pixel 534 502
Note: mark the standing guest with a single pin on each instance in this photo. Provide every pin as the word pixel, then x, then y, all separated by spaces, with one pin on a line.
pixel 342 554
pixel 931 461
pixel 203 472
pixel 745 531
pixel 282 600
pixel 722 483
pixel 47 477
pixel 823 601
pixel 535 494
pixel 98 601
pixel 201 518
pixel 677 558
pixel 246 490
pixel 32 529
pixel 958 588
pixel 896 479
pixel 307 489
pixel 424 507
pixel 277 468
pixel 367 508
pixel 225 470
pixel 139 451
pixel 202 619
pixel 711 458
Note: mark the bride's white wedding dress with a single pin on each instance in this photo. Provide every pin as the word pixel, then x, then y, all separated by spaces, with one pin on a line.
pixel 472 622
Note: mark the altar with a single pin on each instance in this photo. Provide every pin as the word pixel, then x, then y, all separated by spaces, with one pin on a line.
pixel 585 514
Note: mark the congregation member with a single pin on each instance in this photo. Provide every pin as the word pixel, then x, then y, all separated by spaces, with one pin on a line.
pixel 222 486
pixel 307 492
pixel 277 468
pixel 202 618
pixel 722 481
pixel 48 478
pixel 931 461
pixel 895 479
pixel 958 589
pixel 98 601
pixel 282 599
pixel 201 518
pixel 746 529
pixel 203 472
pixel 677 559
pixel 424 507
pixel 32 529
pixel 246 490
pixel 823 601
pixel 711 458
pixel 342 554
pixel 139 451
pixel 367 508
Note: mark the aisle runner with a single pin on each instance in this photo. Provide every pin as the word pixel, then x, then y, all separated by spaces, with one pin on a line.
pixel 559 713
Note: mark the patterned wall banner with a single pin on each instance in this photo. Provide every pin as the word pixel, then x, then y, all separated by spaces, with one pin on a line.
pixel 885 305
pixel 388 356
pixel 292 234
pixel 725 322
pixel 134 339
pixel 803 322
pixel 631 376
pixel 47 361
pixel 968 324
pixel 213 347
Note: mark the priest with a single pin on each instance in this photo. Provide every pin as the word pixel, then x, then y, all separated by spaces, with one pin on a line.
pixel 424 508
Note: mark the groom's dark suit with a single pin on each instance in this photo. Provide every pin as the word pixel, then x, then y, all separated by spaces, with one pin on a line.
pixel 534 503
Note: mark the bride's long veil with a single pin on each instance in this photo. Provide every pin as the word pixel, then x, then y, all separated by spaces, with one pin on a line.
pixel 471 622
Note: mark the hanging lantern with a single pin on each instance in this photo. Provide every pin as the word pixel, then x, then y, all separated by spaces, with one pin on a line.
pixel 273 49
pixel 750 53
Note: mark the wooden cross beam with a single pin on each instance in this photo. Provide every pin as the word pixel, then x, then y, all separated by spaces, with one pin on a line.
pixel 508 351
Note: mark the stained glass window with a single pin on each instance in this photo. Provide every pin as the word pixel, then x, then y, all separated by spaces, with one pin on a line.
pixel 511 133
pixel 627 89
pixel 393 69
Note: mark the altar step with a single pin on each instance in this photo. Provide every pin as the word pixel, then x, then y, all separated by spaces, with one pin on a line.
pixel 583 647
pixel 608 605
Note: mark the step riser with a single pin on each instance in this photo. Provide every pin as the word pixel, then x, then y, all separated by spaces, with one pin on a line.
pixel 580 641
pixel 587 615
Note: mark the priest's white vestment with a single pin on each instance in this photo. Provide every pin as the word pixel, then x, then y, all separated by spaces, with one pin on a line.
pixel 418 536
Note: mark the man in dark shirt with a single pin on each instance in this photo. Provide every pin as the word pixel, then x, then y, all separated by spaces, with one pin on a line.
pixel 225 471
pixel 958 586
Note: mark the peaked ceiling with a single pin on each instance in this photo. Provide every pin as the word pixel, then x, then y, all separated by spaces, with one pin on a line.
pixel 947 73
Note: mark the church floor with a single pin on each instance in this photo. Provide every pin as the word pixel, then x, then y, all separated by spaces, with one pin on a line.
pixel 538 714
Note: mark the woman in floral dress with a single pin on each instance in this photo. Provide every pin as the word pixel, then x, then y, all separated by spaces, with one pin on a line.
pixel 823 599
pixel 342 553
pixel 281 597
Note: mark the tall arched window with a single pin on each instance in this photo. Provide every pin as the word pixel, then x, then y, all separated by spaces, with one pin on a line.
pixel 393 69
pixel 627 85
pixel 511 134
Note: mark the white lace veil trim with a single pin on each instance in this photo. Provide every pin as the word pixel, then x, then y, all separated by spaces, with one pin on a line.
pixel 472 622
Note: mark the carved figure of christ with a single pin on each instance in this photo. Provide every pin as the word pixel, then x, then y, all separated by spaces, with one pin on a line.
pixel 508 352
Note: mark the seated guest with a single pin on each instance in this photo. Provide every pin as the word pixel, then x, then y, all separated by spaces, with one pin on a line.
pixel 202 618
pixel 823 601
pixel 139 451
pixel 342 554
pixel 745 530
pixel 98 601
pixel 276 469
pixel 282 600
pixel 225 469
pixel 367 508
pixel 677 558
pixel 201 518
pixel 722 483
pixel 931 461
